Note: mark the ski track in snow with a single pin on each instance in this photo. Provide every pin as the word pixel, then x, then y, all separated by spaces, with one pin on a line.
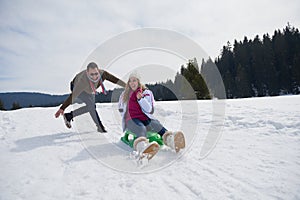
pixel 257 156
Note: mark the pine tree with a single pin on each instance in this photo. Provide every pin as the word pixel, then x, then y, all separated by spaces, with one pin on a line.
pixel 270 76
pixel 212 78
pixel 259 70
pixel 244 88
pixel 243 74
pixel 226 65
pixel 195 79
pixel 183 86
pixel 178 85
pixel 293 40
pixel 1 105
pixel 15 106
pixel 280 51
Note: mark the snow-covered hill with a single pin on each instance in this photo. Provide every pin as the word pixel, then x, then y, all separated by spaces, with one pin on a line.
pixel 257 156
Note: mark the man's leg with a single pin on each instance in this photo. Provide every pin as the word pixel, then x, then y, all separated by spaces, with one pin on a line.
pixel 90 107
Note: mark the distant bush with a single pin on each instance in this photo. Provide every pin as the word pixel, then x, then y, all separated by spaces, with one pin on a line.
pixel 1 105
pixel 15 106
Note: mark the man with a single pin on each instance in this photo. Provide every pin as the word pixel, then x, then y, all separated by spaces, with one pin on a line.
pixel 83 87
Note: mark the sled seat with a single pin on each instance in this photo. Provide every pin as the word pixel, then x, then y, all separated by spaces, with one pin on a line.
pixel 129 138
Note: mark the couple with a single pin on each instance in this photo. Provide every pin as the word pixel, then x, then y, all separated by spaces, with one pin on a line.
pixel 136 105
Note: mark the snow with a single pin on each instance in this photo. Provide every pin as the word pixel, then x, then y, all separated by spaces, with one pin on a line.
pixel 257 156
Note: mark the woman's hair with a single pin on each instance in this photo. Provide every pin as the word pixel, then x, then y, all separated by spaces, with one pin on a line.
pixel 127 90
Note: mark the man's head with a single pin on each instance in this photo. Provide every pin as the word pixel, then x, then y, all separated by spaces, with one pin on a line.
pixel 92 65
pixel 93 71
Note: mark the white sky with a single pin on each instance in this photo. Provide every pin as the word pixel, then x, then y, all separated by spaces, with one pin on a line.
pixel 43 44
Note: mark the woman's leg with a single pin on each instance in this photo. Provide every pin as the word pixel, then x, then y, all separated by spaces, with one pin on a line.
pixel 156 126
pixel 137 126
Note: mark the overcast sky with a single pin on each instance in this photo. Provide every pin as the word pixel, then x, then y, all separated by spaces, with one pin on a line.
pixel 43 44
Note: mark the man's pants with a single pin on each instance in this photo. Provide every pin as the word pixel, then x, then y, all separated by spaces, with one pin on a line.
pixel 89 100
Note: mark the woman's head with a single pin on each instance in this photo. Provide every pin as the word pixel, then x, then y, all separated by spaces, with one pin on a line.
pixel 134 81
pixel 133 84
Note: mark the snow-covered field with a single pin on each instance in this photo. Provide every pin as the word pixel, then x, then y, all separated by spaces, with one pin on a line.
pixel 257 156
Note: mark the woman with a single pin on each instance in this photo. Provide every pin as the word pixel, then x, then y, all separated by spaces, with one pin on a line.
pixel 136 105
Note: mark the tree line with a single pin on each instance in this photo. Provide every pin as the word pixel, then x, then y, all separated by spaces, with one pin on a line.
pixel 188 84
pixel 261 67
pixel 15 106
pixel 250 68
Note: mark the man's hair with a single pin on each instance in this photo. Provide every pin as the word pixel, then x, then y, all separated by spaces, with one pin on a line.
pixel 92 65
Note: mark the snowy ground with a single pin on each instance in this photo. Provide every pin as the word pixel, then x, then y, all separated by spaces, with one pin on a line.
pixel 257 156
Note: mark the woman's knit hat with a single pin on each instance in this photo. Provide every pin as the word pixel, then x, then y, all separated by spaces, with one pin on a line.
pixel 135 74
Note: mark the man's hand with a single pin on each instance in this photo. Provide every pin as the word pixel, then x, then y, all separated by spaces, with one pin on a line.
pixel 59 112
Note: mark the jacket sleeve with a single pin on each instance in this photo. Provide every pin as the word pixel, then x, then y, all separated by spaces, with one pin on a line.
pixel 147 102
pixel 67 102
pixel 79 85
pixel 107 76
pixel 121 103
